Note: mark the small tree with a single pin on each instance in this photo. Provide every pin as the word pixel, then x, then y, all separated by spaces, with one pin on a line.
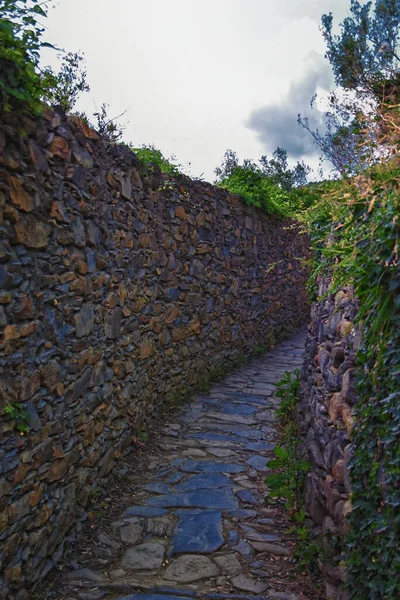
pixel 365 53
pixel 63 88
pixel 277 169
pixel 341 140
pixel 365 61
pixel 108 128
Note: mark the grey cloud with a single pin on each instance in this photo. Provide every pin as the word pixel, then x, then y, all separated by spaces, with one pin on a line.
pixel 276 124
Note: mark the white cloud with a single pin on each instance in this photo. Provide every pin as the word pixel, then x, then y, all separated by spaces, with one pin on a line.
pixel 190 72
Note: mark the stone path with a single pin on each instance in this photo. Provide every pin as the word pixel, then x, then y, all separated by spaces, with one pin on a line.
pixel 199 525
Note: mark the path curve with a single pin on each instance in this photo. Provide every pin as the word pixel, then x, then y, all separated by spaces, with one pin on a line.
pixel 199 525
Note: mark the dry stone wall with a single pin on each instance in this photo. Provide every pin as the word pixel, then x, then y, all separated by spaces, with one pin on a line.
pixel 327 400
pixel 119 286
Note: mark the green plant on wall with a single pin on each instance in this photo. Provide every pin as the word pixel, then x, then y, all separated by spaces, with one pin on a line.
pixel 20 44
pixel 287 483
pixel 150 155
pixel 20 415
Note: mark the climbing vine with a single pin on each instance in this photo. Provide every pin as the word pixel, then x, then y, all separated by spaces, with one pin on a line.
pixel 356 239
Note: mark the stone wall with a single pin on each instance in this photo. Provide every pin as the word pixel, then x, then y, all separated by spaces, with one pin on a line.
pixel 326 420
pixel 119 286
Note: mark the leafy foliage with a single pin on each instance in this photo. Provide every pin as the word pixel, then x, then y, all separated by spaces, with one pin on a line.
pixel 272 186
pixel 365 61
pixel 149 154
pixel 63 88
pixel 20 45
pixel 20 415
pixel 361 247
pixel 287 483
pixel 364 54
pixel 277 169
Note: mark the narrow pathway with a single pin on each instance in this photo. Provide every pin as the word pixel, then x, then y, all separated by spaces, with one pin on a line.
pixel 198 525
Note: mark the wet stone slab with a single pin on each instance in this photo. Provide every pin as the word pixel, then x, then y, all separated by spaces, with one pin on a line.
pixel 246 497
pixel 194 466
pixel 220 498
pixel 204 481
pixel 258 462
pixel 198 531
pixel 145 511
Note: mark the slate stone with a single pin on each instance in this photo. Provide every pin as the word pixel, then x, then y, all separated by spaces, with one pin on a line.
pixel 193 466
pixel 157 488
pixel 84 320
pixel 244 549
pixel 246 496
pixel 112 323
pixel 229 564
pixel 258 462
pixel 265 521
pixel 82 574
pixel 154 597
pixel 145 511
pixel 231 418
pixel 259 446
pixel 243 582
pixel 164 472
pixel 242 513
pixel 198 531
pixel 203 481
pixel 221 452
pixel 131 533
pixel 282 596
pixel 220 499
pixel 215 437
pixel 238 409
pixel 272 548
pixel 9 461
pixel 172 294
pixel 257 536
pixel 175 477
pixel 188 568
pixel 248 584
pixel 238 432
pixel 233 538
pixel 249 398
pixel 143 557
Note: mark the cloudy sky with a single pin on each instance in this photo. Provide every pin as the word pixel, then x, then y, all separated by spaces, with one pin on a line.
pixel 196 77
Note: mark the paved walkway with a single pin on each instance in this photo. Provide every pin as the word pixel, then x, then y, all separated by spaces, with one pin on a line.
pixel 198 525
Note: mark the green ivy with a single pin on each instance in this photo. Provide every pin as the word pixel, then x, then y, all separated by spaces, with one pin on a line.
pixel 357 242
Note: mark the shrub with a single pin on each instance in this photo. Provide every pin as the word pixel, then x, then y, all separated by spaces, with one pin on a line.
pixel 63 88
pixel 20 44
pixel 149 154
